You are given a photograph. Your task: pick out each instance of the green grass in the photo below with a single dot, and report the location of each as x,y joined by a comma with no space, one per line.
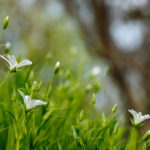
69,121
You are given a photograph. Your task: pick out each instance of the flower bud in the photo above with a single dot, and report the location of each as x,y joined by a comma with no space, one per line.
47,115
39,85
7,47
31,76
96,71
114,108
81,115
93,99
85,124
146,136
14,95
96,86
5,23
57,66
34,86
88,87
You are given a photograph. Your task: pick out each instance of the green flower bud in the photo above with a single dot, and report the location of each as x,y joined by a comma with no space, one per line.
39,85
31,77
34,86
5,23
93,99
81,116
146,136
85,125
7,47
88,87
57,66
14,95
96,86
47,115
74,132
114,108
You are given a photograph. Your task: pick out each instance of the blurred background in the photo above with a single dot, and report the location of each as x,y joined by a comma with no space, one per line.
111,38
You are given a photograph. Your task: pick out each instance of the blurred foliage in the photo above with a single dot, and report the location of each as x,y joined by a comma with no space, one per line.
70,119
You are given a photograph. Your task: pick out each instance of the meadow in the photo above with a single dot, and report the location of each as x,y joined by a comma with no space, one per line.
60,113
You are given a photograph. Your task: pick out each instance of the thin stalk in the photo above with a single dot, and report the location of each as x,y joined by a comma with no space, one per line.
31,95
133,138
96,111
49,91
1,34
17,144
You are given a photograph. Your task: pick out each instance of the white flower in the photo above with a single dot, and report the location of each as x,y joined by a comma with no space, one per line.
30,103
13,64
96,71
7,45
138,118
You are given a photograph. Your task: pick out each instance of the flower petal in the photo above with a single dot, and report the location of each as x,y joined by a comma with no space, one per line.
12,61
26,99
5,59
132,112
146,117
21,93
24,63
37,103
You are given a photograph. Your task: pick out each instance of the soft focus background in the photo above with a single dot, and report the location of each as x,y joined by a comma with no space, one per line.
111,36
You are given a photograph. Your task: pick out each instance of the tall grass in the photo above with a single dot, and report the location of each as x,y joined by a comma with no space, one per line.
69,120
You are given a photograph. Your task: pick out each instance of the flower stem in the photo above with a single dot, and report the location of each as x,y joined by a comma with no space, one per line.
17,144
1,34
133,137
96,111
49,91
